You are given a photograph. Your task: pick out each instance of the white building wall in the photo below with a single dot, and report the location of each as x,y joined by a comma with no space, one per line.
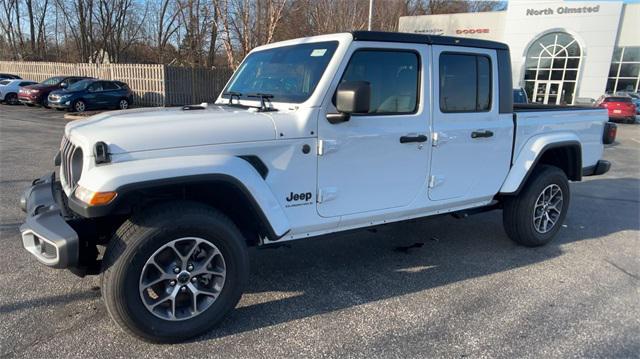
630,28
597,25
595,31
486,25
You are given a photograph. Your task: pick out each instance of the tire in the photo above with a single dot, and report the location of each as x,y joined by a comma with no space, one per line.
126,262
519,213
79,106
11,99
123,104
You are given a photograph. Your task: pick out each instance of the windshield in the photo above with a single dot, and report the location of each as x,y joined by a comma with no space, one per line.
80,85
289,73
52,80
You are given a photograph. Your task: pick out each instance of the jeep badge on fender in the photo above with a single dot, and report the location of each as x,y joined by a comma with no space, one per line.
299,197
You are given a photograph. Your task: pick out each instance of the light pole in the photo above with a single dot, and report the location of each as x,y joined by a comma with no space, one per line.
370,14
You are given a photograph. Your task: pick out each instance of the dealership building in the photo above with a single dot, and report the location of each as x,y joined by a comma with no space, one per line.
560,50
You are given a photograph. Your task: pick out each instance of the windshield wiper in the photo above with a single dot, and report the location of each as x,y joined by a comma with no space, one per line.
231,95
264,98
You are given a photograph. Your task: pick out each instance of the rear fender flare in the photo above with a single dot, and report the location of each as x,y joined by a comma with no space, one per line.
529,155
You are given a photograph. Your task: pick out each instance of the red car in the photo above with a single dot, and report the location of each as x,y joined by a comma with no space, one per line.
619,107
37,94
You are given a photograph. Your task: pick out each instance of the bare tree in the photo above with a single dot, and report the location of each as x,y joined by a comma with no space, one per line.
190,32
168,23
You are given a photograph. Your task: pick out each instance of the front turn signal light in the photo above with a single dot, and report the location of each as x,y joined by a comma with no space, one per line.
94,198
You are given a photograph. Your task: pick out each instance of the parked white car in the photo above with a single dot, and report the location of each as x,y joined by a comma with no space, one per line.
310,136
9,89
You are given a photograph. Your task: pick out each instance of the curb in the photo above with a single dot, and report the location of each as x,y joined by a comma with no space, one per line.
80,116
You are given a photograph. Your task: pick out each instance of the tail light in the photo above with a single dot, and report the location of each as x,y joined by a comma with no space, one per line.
610,132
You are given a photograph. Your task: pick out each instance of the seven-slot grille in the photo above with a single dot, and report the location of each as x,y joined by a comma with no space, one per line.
66,156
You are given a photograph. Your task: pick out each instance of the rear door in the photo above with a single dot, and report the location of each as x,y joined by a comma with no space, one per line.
472,147
363,165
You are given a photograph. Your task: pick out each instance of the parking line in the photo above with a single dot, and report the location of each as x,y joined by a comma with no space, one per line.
633,139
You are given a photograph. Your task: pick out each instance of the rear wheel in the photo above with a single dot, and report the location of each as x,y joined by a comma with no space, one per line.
535,215
174,271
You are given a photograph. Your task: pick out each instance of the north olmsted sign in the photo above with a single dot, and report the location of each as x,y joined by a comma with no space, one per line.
562,10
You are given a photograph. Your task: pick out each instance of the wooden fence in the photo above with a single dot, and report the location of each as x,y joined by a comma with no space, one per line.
152,85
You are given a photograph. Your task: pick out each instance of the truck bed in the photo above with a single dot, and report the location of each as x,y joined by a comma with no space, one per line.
587,123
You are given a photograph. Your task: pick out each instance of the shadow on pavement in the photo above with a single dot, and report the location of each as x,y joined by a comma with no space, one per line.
48,301
345,270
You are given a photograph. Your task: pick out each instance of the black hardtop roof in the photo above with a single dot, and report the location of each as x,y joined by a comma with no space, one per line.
426,39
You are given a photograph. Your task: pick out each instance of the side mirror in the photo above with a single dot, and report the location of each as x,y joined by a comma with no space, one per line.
64,85
352,97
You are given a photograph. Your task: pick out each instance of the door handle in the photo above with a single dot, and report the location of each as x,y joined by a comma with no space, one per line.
413,138
481,133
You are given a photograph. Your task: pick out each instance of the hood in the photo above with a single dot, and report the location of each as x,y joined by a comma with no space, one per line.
162,128
63,92
40,87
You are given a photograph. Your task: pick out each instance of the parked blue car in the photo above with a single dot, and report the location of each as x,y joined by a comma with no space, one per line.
92,94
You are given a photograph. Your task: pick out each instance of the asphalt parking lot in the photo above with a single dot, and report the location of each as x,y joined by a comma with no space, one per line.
467,292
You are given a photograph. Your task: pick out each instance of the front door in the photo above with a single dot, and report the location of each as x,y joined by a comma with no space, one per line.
472,141
363,165
548,92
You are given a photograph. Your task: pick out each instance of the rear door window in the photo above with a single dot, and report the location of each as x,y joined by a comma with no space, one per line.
465,83
108,86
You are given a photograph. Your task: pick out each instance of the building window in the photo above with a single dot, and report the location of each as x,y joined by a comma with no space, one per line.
624,73
551,69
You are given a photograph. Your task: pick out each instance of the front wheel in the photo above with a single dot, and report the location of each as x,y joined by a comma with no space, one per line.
535,215
11,99
174,271
123,104
79,106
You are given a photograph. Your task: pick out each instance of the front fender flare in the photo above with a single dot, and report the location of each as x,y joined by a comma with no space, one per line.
529,155
123,177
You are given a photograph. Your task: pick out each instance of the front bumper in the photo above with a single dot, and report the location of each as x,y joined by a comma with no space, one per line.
45,233
28,100
64,105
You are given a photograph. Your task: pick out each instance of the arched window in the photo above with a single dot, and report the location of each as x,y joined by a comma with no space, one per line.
551,68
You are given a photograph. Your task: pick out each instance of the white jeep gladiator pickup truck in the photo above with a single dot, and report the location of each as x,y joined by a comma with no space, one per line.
310,136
